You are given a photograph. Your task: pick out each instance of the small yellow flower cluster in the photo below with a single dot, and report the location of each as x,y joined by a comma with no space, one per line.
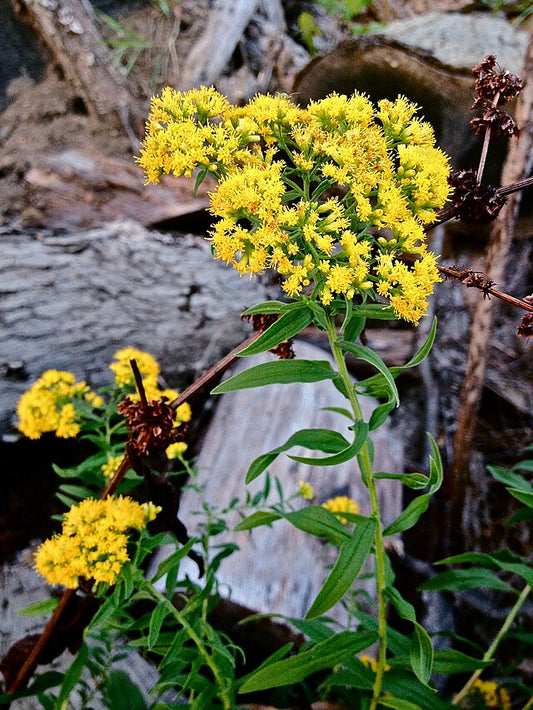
149,369
109,468
277,166
93,541
372,663
175,450
487,694
306,490
49,405
341,504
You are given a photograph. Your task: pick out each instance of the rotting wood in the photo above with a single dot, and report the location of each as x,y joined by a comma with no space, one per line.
69,30
515,169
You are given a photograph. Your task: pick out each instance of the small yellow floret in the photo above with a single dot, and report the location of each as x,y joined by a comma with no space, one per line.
306,490
341,504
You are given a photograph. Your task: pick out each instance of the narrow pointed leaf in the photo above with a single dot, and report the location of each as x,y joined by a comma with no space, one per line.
267,308
451,661
325,654
287,326
316,520
409,516
459,579
278,372
363,353
257,519
324,440
510,479
345,455
416,481
421,654
352,556
398,703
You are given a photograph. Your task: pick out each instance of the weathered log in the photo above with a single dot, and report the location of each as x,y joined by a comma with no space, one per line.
70,32
68,302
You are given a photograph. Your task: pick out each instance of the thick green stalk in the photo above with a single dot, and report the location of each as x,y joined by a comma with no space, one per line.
365,465
489,654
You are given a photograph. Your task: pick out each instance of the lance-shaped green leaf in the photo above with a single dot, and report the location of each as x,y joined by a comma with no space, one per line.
377,386
287,326
504,560
451,661
325,654
510,479
421,654
416,481
402,684
257,519
375,311
352,556
316,520
348,453
268,308
279,372
361,352
410,516
325,440
459,579
397,703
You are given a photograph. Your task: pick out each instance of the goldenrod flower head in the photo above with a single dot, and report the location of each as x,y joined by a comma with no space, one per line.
147,364
109,468
93,541
174,451
380,160
306,490
49,405
341,504
486,694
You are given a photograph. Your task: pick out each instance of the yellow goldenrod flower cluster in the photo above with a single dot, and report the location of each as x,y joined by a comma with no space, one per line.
93,541
50,405
175,450
331,196
109,468
487,694
341,504
306,490
149,370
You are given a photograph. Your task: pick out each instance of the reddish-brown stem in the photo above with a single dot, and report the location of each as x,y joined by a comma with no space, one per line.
32,660
489,290
139,382
212,374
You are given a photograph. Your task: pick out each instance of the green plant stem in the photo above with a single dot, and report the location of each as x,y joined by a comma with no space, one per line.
489,654
181,618
365,465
